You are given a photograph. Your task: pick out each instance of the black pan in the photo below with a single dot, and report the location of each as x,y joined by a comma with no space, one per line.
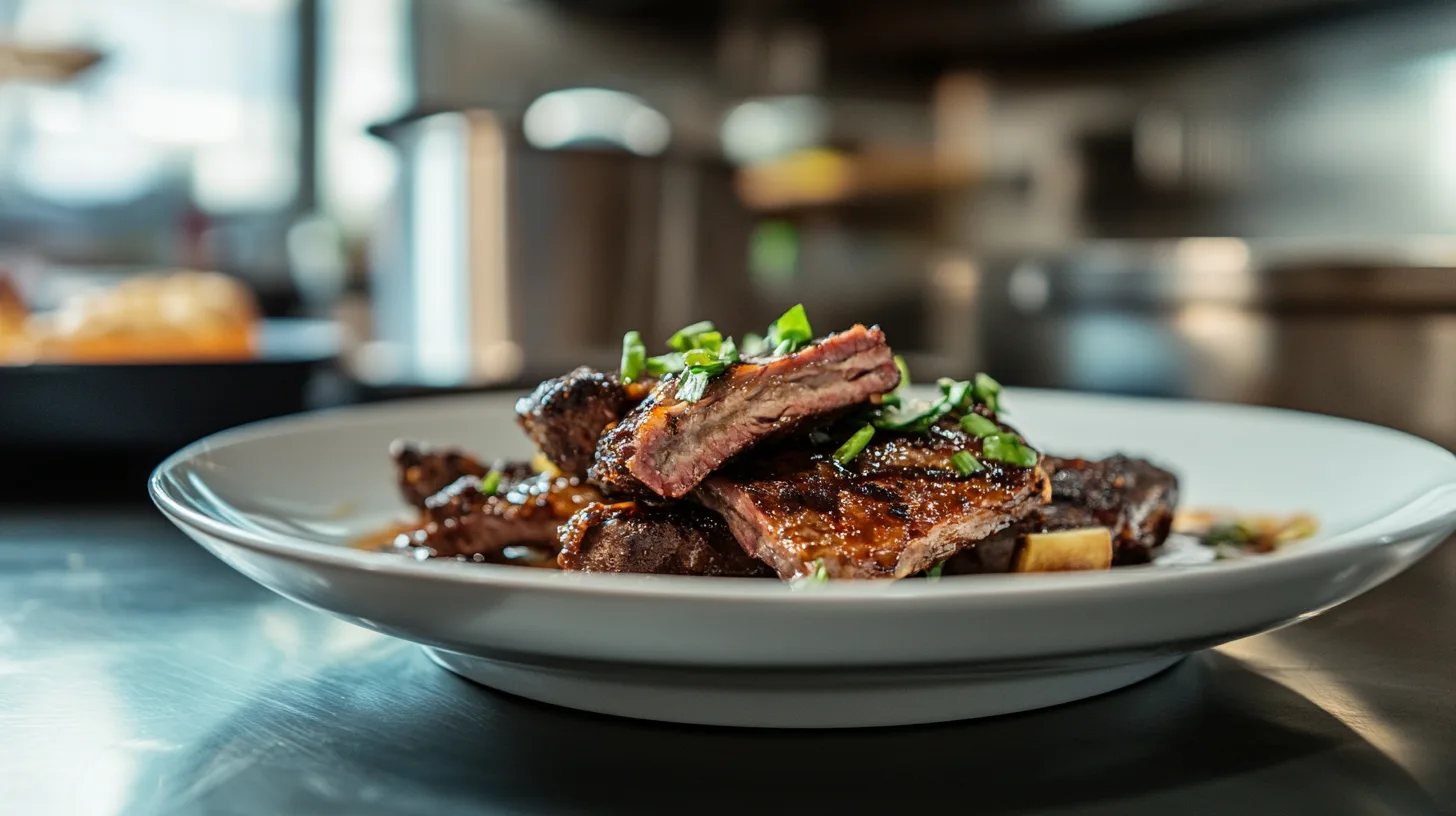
162,406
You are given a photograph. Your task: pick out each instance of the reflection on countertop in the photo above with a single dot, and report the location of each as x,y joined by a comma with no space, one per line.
180,687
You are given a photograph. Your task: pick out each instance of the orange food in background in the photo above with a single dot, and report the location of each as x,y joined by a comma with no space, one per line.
13,316
172,317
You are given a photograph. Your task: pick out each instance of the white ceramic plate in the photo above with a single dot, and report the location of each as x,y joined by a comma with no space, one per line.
281,500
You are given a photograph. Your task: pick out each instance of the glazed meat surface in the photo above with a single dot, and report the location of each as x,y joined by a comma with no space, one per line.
424,472
667,445
1134,499
664,539
566,416
461,521
1131,497
897,508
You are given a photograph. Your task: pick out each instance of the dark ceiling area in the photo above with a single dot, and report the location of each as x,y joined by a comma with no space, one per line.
915,38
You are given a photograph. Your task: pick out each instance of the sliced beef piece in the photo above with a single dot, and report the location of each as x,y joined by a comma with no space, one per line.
566,416
663,539
1134,499
667,446
425,472
1131,497
461,521
897,508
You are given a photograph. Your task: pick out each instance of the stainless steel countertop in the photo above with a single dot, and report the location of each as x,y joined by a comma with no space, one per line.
138,675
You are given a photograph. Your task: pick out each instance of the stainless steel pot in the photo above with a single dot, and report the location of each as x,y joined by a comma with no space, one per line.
499,261
1225,320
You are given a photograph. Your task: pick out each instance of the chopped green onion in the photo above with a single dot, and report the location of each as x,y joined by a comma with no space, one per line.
728,352
790,331
634,357
904,373
979,426
1008,448
904,417
687,337
956,392
490,485
933,574
852,446
820,573
665,364
754,345
987,392
1235,534
794,325
710,341
965,463
693,384
698,358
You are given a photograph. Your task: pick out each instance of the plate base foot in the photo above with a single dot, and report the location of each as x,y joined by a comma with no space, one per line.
846,698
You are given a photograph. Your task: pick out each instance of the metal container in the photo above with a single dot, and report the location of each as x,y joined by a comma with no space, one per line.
1225,320
501,262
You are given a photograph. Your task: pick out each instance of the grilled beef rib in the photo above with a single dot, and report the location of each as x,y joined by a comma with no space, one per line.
462,521
665,539
565,416
897,508
424,472
668,445
1132,498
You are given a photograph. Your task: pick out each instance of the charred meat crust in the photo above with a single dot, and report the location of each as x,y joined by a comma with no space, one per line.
461,521
897,508
1134,499
424,472
667,446
566,416
671,539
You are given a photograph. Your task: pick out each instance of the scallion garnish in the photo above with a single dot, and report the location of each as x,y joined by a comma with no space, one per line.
698,358
817,575
728,352
965,464
853,445
904,369
490,485
1008,448
904,417
687,337
666,364
933,574
820,574
710,341
987,392
754,345
789,332
978,426
634,357
956,393
694,383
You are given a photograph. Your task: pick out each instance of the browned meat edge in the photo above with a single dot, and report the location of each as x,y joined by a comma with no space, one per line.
424,472
462,522
667,445
1134,499
672,539
566,416
899,507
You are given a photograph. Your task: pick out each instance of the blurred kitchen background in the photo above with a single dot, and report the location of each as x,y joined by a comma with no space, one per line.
1241,200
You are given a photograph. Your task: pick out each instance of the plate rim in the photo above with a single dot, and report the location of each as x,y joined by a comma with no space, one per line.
299,549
